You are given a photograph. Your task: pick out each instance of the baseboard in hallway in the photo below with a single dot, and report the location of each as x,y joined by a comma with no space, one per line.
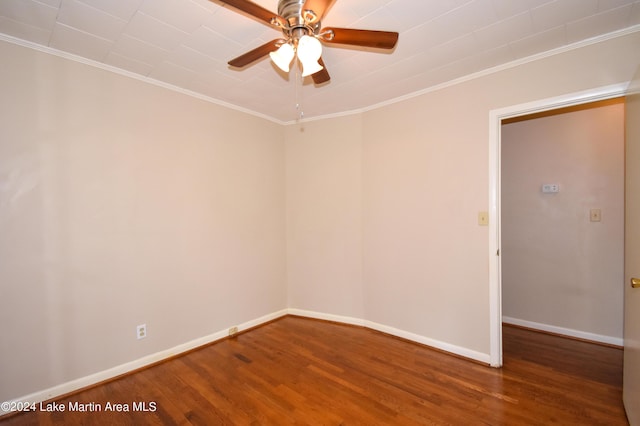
567,332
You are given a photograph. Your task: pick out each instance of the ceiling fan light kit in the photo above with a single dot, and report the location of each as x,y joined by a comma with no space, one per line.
283,56
309,52
303,35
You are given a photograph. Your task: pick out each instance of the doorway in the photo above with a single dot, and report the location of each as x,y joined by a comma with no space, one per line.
562,221
495,244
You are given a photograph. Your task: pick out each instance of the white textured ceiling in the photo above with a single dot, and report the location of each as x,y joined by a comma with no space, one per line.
187,43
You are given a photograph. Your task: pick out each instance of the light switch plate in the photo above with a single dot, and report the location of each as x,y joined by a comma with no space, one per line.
550,188
595,215
483,218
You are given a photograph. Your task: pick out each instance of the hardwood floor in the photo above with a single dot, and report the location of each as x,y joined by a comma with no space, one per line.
304,371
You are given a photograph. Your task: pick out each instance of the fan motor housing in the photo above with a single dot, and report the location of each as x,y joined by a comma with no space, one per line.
297,18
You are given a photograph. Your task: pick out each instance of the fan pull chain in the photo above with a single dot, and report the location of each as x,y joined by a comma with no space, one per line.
298,94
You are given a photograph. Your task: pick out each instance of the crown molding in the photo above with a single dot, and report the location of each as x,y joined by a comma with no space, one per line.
139,77
430,89
479,74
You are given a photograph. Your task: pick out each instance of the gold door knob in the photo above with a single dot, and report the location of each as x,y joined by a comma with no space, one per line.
635,282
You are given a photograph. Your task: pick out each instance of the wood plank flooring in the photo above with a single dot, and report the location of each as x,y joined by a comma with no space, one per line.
304,371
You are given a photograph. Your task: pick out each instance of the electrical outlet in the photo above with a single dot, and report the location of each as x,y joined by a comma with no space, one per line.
141,331
233,331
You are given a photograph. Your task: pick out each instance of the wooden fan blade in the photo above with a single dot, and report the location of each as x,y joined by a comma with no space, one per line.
321,76
257,53
254,10
319,7
366,38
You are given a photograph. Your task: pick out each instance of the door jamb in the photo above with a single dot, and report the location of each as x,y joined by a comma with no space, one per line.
495,122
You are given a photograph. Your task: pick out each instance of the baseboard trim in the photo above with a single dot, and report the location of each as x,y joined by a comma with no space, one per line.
147,361
443,346
583,335
129,367
437,344
326,317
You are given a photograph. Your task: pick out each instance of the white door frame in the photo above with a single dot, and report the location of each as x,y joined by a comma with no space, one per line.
495,122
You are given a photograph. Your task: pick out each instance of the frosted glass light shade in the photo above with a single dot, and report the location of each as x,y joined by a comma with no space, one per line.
283,56
309,52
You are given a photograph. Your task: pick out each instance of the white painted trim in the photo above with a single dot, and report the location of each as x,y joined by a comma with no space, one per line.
571,99
457,350
618,341
444,346
110,373
101,376
495,262
327,317
512,64
262,320
522,61
594,40
495,119
140,77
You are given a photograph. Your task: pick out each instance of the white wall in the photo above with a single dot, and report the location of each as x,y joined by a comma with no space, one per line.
123,203
560,269
425,177
324,216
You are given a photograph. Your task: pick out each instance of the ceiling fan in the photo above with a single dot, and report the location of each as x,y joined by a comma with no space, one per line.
302,34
